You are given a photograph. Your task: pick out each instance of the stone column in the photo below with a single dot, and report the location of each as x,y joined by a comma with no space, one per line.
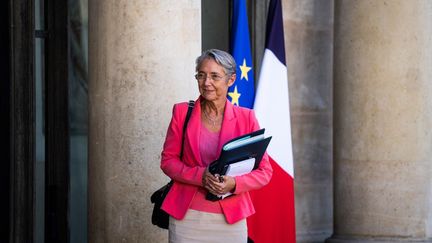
141,61
382,121
309,51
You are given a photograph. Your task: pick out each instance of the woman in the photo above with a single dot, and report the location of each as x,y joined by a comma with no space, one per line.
214,121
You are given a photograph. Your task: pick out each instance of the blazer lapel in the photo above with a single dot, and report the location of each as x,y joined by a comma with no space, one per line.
228,125
194,130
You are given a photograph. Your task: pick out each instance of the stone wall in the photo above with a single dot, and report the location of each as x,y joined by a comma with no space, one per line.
141,61
309,51
382,120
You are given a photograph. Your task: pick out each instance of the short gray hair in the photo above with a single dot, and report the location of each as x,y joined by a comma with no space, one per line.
220,57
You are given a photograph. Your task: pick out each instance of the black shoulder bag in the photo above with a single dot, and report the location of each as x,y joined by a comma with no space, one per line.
159,217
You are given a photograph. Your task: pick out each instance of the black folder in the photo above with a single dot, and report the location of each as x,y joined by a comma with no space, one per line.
254,149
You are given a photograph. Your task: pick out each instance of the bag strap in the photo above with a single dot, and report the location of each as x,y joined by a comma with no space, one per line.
188,114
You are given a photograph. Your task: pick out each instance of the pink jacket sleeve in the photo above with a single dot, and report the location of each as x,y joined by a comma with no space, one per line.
171,164
259,177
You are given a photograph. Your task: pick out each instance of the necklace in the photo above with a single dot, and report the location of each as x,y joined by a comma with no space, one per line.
212,120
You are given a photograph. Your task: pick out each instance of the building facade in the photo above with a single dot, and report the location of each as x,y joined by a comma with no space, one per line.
91,87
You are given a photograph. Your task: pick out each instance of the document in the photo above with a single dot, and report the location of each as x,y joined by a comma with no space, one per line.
242,141
238,169
239,155
241,167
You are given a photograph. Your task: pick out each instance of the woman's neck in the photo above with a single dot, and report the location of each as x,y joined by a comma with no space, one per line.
214,108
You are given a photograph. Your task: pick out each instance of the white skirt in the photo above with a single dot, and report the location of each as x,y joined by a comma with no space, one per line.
202,227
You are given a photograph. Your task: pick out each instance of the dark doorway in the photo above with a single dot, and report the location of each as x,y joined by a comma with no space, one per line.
45,195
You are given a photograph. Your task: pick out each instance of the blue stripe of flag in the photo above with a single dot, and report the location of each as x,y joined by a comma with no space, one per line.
275,32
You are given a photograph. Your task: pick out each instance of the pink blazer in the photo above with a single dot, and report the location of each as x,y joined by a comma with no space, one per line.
187,173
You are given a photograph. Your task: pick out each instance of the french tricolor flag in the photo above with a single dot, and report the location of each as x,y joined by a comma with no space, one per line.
274,220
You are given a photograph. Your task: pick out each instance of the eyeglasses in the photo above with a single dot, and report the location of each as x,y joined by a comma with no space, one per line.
203,77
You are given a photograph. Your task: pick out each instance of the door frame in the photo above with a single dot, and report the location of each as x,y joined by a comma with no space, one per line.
56,122
22,121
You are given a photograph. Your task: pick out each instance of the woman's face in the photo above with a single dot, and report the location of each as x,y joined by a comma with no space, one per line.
213,82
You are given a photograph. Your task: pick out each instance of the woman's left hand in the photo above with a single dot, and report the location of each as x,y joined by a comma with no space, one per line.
224,185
